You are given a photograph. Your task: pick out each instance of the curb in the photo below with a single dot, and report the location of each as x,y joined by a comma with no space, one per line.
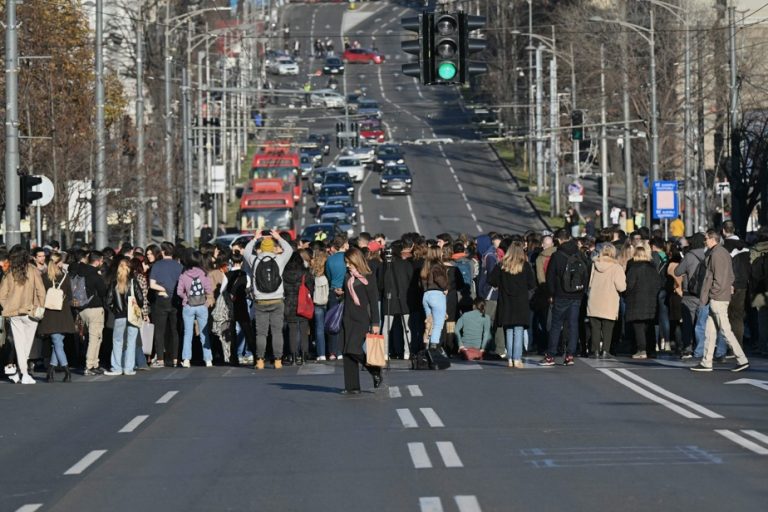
517,184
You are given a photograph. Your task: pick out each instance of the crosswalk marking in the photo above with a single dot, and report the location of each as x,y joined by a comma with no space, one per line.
448,453
414,390
431,416
672,396
467,503
407,418
757,435
430,504
419,456
166,397
743,441
34,506
394,392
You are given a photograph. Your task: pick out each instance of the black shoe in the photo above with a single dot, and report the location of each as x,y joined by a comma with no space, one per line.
288,360
701,368
67,374
90,372
99,370
299,358
377,380
51,371
740,367
350,392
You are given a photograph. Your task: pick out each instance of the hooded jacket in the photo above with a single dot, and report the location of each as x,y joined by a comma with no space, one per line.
741,264
185,283
605,284
488,261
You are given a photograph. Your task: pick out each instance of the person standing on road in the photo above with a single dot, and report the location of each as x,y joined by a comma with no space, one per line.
320,299
741,270
58,323
21,293
361,316
716,291
297,272
541,297
163,278
759,289
92,315
395,277
124,333
267,266
434,282
195,290
643,285
335,269
488,250
606,282
515,280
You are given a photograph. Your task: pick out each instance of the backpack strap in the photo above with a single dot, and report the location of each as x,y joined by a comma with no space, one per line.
58,286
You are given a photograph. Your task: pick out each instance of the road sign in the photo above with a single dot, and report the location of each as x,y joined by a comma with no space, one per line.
46,188
665,200
575,192
346,134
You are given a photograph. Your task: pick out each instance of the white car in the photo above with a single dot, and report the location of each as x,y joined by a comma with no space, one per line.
366,154
284,66
351,165
327,98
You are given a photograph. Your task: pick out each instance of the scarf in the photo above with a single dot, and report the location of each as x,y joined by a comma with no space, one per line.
354,274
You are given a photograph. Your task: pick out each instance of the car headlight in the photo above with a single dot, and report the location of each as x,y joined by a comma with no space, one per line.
383,182
400,161
380,162
408,180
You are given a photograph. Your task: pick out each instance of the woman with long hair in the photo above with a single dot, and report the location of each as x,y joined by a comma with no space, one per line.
21,293
606,282
140,268
320,299
58,323
514,278
361,316
455,283
195,291
434,282
296,271
122,286
643,285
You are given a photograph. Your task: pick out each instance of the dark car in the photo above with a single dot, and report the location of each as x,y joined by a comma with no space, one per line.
387,154
339,177
321,232
313,151
368,107
333,66
322,141
329,192
352,102
341,207
395,179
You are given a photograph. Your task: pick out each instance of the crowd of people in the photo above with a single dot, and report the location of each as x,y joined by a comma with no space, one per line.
276,302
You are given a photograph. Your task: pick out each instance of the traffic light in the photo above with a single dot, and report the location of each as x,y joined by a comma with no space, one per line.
206,201
339,139
445,55
422,25
355,139
577,125
470,45
27,195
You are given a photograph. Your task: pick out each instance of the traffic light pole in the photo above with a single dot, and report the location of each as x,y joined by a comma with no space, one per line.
538,133
99,192
141,210
12,214
603,140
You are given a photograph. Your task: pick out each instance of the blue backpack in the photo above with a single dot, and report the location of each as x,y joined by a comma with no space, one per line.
465,267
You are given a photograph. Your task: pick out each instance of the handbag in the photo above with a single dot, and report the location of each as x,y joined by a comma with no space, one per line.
333,318
54,296
306,306
147,333
135,316
374,350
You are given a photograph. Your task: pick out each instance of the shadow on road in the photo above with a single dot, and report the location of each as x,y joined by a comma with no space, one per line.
306,387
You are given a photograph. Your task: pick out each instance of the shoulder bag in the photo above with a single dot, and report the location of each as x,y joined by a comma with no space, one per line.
374,350
135,316
54,296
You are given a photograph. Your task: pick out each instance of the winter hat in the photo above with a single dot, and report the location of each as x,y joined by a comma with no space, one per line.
267,245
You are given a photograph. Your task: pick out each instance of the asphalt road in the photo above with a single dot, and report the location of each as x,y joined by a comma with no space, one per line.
595,436
459,187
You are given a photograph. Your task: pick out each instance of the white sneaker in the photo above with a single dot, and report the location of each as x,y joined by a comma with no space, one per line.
208,364
129,374
112,373
10,369
185,363
27,379
15,378
321,358
339,357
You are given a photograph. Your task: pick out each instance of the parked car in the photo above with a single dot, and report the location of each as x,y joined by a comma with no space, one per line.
368,107
336,177
284,66
385,154
333,66
352,165
362,56
395,179
336,191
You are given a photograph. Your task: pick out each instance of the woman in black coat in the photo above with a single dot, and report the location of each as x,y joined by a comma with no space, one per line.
643,285
514,278
361,316
296,269
58,323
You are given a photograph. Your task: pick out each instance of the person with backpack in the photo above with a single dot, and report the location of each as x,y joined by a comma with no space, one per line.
567,279
268,292
716,292
58,322
89,293
643,285
163,280
606,282
463,264
320,299
295,275
195,290
515,280
123,287
434,282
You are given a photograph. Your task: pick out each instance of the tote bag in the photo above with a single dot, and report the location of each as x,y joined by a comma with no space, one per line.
374,350
306,306
134,310
333,318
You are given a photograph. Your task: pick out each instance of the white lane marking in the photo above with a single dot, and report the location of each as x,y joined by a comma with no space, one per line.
757,435
474,217
415,390
430,504
419,456
362,219
676,398
647,394
394,392
447,162
478,228
413,215
407,419
743,441
467,503
86,461
133,424
461,188
448,453
432,418
469,207
166,397
34,506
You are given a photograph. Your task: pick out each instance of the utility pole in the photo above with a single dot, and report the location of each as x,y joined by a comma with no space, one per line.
654,123
554,154
691,200
170,204
738,203
531,114
539,136
200,132
12,216
141,215
576,143
187,149
100,193
629,178
603,140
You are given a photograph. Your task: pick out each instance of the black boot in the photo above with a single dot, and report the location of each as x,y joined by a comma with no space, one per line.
377,378
51,371
288,360
299,358
67,374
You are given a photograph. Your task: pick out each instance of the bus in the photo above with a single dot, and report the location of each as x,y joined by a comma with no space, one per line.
266,211
289,175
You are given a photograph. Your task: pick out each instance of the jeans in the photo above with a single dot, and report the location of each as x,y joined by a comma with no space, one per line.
124,347
320,330
243,347
190,314
269,317
719,324
515,342
435,305
702,314
564,311
663,316
58,356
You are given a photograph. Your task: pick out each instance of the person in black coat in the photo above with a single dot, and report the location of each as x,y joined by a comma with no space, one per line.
395,276
643,285
237,289
514,278
58,323
296,270
361,316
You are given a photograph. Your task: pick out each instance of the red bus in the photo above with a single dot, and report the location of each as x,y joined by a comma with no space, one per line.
290,175
264,211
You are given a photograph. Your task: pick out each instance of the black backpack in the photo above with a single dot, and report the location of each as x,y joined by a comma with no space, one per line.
574,278
696,280
266,277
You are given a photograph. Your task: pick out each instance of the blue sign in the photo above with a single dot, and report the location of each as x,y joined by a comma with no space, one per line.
665,200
